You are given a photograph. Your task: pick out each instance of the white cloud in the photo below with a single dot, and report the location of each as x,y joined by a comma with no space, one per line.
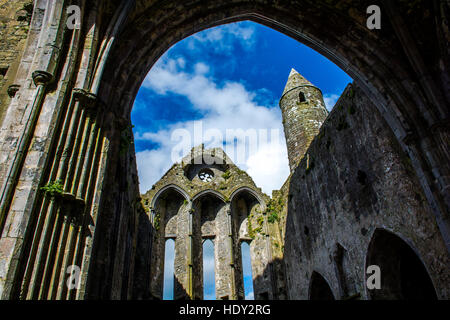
269,166
229,106
250,296
222,39
330,100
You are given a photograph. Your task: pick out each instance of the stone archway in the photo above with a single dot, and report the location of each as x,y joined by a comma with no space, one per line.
169,207
245,204
380,62
79,86
403,275
319,288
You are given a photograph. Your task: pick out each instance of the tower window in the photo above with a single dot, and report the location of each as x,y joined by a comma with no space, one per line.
301,97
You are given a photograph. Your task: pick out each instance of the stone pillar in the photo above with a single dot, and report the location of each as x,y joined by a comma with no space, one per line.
12,237
223,256
233,295
183,287
41,80
63,216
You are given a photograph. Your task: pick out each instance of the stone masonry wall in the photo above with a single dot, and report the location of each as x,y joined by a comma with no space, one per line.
15,17
356,179
229,209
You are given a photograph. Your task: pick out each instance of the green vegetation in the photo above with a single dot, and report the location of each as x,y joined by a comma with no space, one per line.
53,188
223,186
253,232
274,208
226,175
157,221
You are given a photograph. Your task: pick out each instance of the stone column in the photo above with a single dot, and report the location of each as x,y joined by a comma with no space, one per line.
233,295
183,254
13,236
41,80
223,252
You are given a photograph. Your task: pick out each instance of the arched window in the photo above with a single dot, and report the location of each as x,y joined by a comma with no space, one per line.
169,261
209,281
247,271
301,97
403,275
319,288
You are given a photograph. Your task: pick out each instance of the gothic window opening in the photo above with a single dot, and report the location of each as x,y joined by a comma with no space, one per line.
247,271
169,277
209,281
403,275
319,288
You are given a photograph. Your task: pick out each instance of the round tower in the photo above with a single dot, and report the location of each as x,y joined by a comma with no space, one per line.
303,111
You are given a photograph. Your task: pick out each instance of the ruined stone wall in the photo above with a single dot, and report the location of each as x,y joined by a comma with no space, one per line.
228,209
404,67
15,17
276,214
357,180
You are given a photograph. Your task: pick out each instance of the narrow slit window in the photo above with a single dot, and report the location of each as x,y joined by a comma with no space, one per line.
169,262
209,281
247,270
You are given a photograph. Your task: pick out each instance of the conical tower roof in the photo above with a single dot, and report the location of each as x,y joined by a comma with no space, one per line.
295,80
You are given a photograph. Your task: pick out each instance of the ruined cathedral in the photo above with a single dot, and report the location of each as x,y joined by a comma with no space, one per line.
349,182
368,187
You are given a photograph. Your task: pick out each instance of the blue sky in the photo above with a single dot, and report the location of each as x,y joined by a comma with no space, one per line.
208,271
227,77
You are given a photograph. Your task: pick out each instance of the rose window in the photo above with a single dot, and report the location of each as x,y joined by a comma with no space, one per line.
206,175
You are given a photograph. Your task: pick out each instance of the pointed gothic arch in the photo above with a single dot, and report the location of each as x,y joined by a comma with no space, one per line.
173,187
113,51
403,274
319,289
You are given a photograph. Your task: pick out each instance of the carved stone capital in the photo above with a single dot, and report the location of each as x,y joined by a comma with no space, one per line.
12,90
42,77
78,93
71,198
90,100
87,99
